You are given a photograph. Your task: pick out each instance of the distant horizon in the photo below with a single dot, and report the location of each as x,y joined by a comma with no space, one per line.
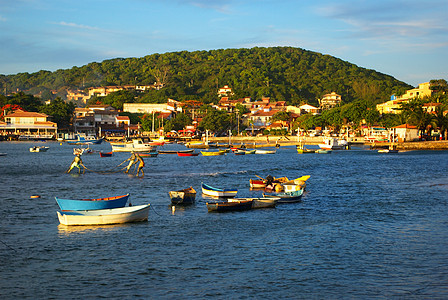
406,41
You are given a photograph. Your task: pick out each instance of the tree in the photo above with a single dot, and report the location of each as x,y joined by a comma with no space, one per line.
216,121
60,112
179,122
441,120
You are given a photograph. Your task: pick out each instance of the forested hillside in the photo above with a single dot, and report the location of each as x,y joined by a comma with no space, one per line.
282,73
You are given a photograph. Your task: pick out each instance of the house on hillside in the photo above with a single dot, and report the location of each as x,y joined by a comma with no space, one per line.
405,133
29,125
308,109
394,104
225,91
329,101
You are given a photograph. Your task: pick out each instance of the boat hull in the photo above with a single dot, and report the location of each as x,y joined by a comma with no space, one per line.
91,204
185,196
215,192
229,206
287,197
105,216
259,202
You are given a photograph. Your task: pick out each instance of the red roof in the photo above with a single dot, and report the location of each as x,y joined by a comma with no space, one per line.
24,114
406,126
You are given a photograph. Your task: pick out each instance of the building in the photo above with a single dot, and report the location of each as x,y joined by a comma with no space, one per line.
329,101
29,125
394,104
94,119
225,91
405,133
308,109
149,108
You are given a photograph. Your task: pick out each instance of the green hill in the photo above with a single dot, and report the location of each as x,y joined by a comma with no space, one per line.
282,73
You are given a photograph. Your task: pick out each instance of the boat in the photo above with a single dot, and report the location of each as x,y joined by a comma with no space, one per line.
261,183
90,204
217,192
180,153
148,154
185,196
229,206
333,144
136,145
269,202
39,149
287,197
323,151
392,149
175,151
212,153
106,154
158,142
3,154
105,216
250,151
296,184
239,152
261,151
82,139
305,150
81,151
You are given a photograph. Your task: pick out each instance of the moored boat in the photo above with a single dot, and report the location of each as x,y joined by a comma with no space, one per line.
90,204
229,206
106,154
136,145
105,216
269,202
181,153
217,192
323,151
261,151
212,153
185,196
39,149
148,154
287,197
84,140
175,151
333,144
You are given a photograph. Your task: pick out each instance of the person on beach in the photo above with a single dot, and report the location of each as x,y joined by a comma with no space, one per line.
77,162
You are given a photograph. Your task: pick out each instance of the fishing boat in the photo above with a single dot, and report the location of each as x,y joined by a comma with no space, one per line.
392,149
175,151
185,196
333,144
250,151
287,197
81,151
105,216
212,153
148,154
239,152
106,154
229,206
136,145
217,192
323,151
261,183
39,149
3,154
269,202
81,139
90,204
180,153
261,151
296,184
257,183
304,150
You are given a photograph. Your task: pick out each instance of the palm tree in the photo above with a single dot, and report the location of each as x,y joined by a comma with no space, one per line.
440,120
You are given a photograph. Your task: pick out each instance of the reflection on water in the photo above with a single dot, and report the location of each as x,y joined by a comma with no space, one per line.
65,230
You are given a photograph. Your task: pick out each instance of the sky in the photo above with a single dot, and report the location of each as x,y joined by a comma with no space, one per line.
405,39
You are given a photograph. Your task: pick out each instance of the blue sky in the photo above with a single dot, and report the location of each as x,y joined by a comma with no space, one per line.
405,39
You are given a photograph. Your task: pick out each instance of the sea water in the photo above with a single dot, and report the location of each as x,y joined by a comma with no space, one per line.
370,225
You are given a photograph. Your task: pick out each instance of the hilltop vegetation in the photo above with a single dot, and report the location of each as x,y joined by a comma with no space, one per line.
286,74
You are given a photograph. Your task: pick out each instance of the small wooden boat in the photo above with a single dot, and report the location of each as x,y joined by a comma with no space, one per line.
90,204
3,154
148,154
261,151
136,145
257,183
323,151
239,152
175,151
106,154
185,196
187,153
229,206
105,216
269,202
82,139
217,192
212,153
392,149
287,197
39,149
304,150
250,151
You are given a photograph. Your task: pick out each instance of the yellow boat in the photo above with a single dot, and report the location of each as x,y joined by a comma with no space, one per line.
212,153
